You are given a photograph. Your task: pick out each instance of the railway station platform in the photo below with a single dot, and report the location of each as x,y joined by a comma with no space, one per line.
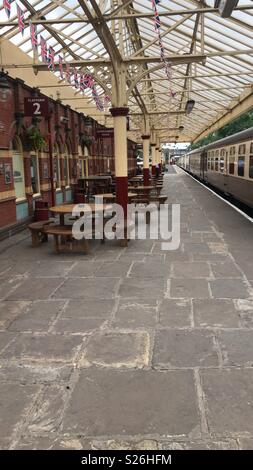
136,347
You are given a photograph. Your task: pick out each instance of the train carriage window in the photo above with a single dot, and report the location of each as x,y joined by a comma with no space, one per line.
231,168
242,149
241,162
216,164
251,165
222,164
232,151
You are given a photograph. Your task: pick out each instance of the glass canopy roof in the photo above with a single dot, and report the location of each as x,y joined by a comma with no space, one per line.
219,54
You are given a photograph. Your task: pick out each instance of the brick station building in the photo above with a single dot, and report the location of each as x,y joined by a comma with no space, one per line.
78,151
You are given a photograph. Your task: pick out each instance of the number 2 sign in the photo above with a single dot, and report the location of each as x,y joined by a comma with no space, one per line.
36,107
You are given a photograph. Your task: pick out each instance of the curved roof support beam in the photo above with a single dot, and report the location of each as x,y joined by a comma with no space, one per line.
175,60
105,36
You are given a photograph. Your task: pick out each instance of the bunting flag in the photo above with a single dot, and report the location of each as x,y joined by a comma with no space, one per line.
34,36
7,7
68,73
61,66
97,99
81,83
43,49
107,100
21,19
88,81
167,65
50,58
157,21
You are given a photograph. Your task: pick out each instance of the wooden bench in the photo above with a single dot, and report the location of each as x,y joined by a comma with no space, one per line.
37,230
64,240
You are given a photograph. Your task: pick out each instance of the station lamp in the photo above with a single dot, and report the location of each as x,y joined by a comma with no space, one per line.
225,7
5,89
189,106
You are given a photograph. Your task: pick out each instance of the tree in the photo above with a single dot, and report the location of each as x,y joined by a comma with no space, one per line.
239,124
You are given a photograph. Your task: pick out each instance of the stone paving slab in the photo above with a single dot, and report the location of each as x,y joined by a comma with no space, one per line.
38,316
14,404
88,289
184,348
229,398
218,313
117,350
135,314
132,402
175,313
35,289
43,348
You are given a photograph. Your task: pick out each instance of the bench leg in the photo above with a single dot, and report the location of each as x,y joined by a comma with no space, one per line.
35,239
56,243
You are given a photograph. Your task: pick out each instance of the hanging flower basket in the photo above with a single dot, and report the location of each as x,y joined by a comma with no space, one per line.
34,138
85,140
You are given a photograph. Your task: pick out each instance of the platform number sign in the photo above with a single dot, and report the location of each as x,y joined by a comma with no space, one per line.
36,107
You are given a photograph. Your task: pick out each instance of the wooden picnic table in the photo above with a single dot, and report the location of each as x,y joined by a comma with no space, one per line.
63,209
144,189
112,197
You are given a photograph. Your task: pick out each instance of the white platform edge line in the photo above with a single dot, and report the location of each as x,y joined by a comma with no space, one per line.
221,198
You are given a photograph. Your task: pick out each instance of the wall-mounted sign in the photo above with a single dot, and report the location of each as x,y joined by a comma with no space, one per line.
105,133
36,107
7,173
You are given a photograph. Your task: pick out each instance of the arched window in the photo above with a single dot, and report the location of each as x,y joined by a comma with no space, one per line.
18,168
57,172
83,160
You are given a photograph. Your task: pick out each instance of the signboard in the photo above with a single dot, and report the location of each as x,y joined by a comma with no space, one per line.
36,107
105,133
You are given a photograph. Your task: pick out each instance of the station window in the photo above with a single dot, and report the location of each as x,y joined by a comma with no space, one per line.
216,164
242,149
18,168
251,148
231,168
212,164
34,174
241,163
217,153
232,151
222,152
209,164
251,166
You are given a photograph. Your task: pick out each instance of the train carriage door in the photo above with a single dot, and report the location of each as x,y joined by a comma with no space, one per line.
225,174
203,165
